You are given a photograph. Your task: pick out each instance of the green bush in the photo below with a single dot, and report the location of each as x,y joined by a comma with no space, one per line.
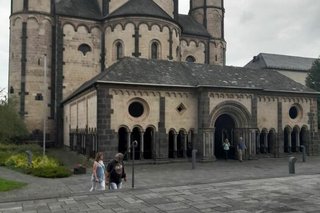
41,166
18,161
51,172
4,157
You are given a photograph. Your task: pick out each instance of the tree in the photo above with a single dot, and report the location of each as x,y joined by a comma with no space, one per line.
12,127
313,82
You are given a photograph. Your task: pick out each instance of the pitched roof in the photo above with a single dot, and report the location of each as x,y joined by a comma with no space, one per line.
79,8
136,71
191,26
140,8
283,62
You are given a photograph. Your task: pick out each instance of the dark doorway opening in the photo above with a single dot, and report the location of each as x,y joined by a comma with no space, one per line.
148,142
224,128
136,136
171,144
123,142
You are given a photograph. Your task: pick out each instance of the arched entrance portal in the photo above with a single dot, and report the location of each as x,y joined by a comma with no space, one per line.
224,127
148,143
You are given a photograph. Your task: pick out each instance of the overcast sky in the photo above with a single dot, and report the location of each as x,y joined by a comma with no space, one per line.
290,27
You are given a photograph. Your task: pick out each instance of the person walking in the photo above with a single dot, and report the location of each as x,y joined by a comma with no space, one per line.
116,172
98,173
241,147
226,147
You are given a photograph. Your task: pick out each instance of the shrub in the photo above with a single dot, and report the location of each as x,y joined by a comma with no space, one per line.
18,161
44,162
4,156
51,172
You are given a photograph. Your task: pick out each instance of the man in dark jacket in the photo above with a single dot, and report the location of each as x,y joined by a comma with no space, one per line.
115,172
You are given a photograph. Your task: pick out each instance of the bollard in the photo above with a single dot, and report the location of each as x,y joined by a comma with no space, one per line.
292,161
194,158
303,150
29,155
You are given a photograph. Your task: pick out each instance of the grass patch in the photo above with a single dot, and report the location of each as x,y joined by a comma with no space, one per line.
7,185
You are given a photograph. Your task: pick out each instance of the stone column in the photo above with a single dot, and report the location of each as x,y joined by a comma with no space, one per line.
175,146
128,145
258,143
297,141
289,141
185,136
141,145
208,144
265,142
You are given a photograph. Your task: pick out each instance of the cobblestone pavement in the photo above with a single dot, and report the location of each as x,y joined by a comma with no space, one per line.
262,185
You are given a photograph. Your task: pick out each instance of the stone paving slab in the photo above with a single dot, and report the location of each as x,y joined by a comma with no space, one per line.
302,194
157,176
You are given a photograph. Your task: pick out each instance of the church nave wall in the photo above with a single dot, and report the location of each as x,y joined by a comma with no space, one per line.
196,50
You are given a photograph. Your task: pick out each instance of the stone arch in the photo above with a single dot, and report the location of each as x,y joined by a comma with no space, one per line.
136,135
16,19
171,143
118,50
149,142
155,50
272,142
181,143
304,137
235,110
123,140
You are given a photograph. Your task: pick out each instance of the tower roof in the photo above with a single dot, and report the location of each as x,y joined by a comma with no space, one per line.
140,8
191,26
79,8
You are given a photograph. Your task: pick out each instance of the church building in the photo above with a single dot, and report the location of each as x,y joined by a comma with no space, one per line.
105,73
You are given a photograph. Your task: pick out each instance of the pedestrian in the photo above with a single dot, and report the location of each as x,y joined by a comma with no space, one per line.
98,173
116,172
226,147
241,147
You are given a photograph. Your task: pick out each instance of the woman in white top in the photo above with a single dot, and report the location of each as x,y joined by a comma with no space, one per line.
226,147
98,173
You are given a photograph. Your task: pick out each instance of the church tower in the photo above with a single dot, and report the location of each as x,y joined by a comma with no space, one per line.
210,13
31,54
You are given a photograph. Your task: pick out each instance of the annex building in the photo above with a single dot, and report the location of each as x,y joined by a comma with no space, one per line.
125,70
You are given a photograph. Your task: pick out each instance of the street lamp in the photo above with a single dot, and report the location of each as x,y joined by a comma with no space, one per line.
44,102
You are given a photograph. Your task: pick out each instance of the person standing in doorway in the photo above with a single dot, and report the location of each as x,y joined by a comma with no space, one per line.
98,173
241,147
115,172
226,147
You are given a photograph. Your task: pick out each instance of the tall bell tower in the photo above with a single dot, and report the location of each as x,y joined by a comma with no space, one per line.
31,54
210,13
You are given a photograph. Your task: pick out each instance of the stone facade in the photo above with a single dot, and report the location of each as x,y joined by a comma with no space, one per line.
79,46
182,119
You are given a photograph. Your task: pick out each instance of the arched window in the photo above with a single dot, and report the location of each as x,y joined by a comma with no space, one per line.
154,50
119,50
84,48
190,59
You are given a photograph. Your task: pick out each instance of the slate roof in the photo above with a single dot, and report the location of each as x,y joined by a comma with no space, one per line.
282,62
140,8
135,71
79,8
191,26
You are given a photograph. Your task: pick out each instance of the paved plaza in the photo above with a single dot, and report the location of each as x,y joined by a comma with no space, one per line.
263,185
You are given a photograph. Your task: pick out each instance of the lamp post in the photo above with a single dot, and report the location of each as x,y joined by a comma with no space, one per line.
134,145
44,103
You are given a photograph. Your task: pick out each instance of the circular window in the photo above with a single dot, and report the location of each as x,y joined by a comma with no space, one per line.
136,109
293,112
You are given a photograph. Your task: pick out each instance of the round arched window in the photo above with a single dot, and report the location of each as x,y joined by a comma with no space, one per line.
293,112
136,109
190,59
